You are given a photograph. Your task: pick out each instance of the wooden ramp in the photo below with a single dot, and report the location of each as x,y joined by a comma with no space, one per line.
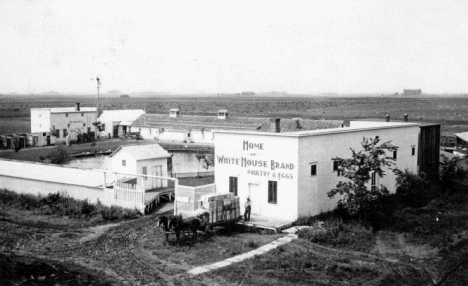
153,197
266,223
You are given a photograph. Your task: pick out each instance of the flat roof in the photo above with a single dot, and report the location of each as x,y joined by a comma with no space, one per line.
195,122
298,134
397,120
66,109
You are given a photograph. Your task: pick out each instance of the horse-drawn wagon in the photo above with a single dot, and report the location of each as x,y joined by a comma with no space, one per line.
213,210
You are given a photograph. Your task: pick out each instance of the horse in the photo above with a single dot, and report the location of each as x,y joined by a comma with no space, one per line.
178,225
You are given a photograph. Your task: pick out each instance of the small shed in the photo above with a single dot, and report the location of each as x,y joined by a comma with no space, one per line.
175,112
149,159
222,114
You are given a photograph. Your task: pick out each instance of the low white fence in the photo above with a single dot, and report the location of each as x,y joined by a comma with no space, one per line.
130,196
82,184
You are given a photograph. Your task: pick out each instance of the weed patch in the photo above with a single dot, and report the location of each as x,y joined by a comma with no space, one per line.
62,205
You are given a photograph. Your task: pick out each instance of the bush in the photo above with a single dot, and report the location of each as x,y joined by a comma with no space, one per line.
413,190
58,155
351,235
62,205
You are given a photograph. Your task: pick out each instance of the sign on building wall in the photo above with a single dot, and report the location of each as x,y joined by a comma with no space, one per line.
253,159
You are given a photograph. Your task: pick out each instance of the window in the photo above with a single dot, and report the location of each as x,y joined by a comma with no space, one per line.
124,163
313,169
65,133
188,134
43,134
40,125
150,131
82,114
336,167
233,185
272,192
84,124
66,114
413,150
395,154
68,125
145,172
103,127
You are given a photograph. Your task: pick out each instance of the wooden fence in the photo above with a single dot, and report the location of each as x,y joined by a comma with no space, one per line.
129,196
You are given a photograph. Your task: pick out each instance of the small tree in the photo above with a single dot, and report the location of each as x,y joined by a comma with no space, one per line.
357,198
58,155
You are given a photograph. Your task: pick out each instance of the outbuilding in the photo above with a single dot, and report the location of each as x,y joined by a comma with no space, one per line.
116,123
148,159
288,174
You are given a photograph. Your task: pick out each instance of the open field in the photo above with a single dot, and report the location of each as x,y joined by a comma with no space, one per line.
451,112
38,250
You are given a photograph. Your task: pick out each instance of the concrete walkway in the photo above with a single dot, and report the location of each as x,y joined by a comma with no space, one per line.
261,250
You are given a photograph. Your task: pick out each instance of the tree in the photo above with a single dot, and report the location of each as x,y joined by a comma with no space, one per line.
206,159
58,155
357,198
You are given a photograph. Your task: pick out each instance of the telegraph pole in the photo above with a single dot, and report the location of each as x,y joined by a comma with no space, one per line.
97,105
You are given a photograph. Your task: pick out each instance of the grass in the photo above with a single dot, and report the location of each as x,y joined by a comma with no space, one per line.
194,182
62,205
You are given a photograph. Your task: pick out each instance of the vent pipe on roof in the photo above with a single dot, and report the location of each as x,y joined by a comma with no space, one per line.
77,106
275,125
405,117
387,118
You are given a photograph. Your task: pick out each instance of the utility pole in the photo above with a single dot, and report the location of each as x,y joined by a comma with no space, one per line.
97,105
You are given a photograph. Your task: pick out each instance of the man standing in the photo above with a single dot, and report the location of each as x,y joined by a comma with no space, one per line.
248,206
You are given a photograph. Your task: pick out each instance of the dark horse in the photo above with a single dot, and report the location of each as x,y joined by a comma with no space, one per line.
178,225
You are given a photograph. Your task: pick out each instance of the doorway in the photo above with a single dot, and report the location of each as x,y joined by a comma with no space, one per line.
156,171
255,198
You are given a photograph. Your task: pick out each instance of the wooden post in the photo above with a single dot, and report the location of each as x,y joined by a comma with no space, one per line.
104,183
176,185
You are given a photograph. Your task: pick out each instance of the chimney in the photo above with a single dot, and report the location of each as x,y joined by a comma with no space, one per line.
77,106
387,118
275,124
405,117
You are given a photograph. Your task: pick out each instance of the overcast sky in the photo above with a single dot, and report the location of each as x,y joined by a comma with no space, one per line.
234,46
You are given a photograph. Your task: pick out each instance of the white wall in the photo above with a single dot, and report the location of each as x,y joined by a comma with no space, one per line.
150,182
321,149
76,121
278,149
42,179
130,163
40,120
301,193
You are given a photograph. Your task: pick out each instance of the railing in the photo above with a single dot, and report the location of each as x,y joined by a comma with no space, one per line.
129,195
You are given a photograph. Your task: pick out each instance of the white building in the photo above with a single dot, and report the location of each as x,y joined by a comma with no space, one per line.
67,120
150,159
117,123
288,174
176,127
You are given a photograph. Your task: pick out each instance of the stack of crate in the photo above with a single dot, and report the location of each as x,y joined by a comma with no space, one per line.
221,207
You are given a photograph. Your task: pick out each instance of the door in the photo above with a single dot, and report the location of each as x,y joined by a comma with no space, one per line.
116,131
156,171
48,140
255,198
